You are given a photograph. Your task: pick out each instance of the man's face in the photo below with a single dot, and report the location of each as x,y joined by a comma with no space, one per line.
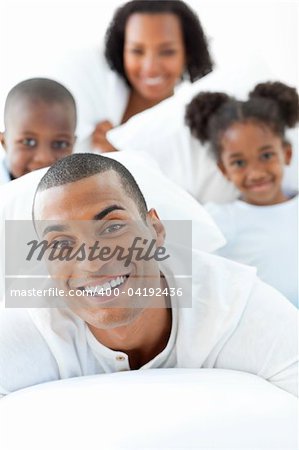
97,209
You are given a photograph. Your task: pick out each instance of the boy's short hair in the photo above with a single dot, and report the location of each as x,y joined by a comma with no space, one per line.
198,58
39,89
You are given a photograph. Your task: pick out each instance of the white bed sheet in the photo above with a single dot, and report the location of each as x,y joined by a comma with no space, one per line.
153,409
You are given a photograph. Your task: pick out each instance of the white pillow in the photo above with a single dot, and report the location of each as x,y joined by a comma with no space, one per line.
154,409
170,201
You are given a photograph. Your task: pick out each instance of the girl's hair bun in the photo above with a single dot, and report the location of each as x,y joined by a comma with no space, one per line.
285,97
200,110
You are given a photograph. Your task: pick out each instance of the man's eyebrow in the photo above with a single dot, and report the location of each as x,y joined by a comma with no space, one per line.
56,227
106,211
98,216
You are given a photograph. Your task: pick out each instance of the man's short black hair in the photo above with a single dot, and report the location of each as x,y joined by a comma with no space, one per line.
198,58
39,89
83,165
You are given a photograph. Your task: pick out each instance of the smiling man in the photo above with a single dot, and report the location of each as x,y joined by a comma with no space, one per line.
111,210
235,322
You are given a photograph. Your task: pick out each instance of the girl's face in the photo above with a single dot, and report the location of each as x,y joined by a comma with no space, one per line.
253,159
154,54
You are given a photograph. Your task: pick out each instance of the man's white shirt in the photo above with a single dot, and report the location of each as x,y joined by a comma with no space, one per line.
236,322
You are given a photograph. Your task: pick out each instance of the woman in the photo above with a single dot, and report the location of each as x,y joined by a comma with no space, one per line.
150,47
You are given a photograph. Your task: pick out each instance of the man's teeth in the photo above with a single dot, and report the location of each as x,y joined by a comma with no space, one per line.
108,286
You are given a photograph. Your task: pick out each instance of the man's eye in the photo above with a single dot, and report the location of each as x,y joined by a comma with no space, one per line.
267,155
113,228
60,145
238,163
29,142
65,243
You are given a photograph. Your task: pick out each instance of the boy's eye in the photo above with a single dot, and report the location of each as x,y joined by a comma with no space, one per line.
60,145
29,142
238,163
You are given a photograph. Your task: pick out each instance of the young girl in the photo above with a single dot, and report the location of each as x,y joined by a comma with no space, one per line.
248,140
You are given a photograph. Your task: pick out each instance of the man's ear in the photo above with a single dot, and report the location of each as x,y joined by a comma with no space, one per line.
152,219
288,151
2,139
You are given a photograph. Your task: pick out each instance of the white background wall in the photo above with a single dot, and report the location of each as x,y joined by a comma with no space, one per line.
261,35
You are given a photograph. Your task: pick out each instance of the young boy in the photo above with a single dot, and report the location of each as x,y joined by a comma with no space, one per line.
40,122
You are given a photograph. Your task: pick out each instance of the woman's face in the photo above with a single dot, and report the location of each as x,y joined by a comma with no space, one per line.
154,54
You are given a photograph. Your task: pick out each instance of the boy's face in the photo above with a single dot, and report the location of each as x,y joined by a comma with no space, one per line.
93,210
37,135
253,159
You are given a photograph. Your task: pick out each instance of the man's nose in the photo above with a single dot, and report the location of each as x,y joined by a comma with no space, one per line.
90,258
